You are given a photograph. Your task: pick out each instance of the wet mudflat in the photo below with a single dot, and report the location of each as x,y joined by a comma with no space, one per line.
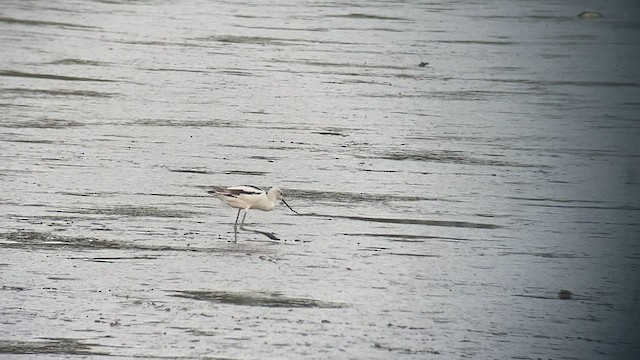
483,205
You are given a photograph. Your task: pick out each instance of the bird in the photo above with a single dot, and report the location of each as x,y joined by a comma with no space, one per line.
245,197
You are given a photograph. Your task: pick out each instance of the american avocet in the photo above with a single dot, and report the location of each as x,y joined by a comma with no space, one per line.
247,197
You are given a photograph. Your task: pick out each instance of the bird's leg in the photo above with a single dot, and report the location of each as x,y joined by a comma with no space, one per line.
267,234
243,217
235,225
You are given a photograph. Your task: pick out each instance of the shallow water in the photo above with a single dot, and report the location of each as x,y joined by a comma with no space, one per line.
444,207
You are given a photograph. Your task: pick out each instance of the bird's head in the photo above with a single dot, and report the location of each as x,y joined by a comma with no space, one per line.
277,194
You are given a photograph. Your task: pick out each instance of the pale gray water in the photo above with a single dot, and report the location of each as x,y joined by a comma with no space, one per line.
445,206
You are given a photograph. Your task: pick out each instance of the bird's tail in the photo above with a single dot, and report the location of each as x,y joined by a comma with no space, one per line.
217,190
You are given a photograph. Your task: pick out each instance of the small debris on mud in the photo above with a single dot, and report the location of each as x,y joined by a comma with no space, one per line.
565,295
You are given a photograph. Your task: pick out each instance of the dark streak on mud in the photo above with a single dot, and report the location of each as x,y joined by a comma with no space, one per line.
59,346
459,224
265,299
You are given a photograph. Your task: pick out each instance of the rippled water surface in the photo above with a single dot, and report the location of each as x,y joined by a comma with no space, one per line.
466,174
